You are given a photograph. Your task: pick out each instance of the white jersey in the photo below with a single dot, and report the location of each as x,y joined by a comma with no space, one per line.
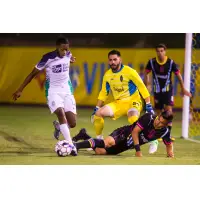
57,73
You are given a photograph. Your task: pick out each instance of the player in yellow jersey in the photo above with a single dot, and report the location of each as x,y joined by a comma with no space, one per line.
126,87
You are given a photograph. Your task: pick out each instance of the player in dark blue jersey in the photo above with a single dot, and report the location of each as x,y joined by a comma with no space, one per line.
162,68
148,128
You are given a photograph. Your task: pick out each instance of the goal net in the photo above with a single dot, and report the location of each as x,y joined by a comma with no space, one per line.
194,115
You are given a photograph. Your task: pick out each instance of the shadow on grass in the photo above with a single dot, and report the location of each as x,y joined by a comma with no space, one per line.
11,138
25,148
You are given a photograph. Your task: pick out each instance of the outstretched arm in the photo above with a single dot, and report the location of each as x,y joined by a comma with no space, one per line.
147,81
27,80
169,150
135,136
180,79
184,91
169,145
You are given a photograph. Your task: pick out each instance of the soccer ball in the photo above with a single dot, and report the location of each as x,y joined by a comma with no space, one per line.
64,148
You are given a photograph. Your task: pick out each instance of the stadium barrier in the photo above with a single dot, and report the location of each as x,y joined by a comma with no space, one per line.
86,74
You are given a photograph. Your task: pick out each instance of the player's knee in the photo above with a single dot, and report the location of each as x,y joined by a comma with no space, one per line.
100,151
71,119
109,141
133,119
99,113
60,115
72,124
105,111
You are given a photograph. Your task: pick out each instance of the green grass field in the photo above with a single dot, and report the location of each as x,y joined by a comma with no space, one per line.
26,138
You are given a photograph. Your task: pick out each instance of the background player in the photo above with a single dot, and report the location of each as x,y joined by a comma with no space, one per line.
147,128
162,68
125,85
58,86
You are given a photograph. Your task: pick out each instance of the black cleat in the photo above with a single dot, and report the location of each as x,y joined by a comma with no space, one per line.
57,129
82,135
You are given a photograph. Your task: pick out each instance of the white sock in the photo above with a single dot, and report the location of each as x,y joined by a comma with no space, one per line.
66,133
100,136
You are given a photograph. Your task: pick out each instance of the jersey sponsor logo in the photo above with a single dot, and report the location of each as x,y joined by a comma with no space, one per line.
162,76
118,89
57,69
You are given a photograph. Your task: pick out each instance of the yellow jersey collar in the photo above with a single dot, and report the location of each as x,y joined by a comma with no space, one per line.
162,63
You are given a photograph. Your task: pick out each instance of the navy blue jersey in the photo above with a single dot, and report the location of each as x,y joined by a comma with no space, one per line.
162,73
149,133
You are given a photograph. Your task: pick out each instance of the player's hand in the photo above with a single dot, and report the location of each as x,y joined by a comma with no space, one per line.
16,95
170,155
92,117
73,59
138,154
149,108
186,93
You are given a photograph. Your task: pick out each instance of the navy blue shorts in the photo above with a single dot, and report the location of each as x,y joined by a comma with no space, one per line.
163,98
120,146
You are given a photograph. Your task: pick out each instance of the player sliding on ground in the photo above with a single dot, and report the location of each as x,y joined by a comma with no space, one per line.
162,68
126,87
58,86
146,129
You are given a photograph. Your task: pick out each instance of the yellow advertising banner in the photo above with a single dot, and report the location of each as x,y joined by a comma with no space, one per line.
86,74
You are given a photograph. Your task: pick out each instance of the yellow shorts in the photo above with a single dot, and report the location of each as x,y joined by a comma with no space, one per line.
122,107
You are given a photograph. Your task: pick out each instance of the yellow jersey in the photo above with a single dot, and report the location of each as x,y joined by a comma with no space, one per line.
124,84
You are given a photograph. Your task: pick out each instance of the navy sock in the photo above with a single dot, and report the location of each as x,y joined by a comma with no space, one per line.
91,143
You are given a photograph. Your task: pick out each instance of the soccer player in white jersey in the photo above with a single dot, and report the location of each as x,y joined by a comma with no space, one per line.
58,87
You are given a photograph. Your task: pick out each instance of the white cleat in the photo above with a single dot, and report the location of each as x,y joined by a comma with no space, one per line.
153,147
89,149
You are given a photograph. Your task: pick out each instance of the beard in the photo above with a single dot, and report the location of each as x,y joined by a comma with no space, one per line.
114,67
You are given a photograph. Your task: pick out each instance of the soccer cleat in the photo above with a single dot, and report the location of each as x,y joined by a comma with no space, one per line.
172,138
153,146
90,149
82,135
74,151
57,129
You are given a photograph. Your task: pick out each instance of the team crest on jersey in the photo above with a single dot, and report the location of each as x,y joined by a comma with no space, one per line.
161,68
53,103
121,78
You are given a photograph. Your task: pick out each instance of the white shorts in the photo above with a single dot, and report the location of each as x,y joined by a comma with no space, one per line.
61,100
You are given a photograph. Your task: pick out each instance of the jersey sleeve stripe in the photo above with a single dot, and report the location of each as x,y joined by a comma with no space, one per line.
140,125
177,72
147,70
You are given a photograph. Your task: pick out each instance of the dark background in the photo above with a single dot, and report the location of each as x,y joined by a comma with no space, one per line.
114,40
